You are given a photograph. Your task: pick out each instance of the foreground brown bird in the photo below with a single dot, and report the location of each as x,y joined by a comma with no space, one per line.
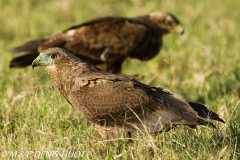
116,100
106,42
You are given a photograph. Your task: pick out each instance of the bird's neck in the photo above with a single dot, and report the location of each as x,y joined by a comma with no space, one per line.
69,78
62,77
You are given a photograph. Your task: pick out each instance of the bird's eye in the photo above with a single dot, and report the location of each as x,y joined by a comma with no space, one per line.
53,56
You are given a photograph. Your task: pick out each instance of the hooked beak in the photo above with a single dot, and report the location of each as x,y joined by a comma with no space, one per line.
36,62
41,60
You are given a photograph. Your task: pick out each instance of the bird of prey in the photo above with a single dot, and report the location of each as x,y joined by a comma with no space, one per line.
115,100
106,42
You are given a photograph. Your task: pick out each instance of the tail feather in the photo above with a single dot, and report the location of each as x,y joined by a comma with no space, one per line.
24,60
28,46
203,112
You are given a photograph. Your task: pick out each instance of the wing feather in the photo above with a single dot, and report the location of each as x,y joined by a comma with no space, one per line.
126,102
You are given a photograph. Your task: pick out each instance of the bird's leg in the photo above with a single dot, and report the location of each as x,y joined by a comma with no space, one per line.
113,133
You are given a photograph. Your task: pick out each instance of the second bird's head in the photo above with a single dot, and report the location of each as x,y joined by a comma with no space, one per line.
167,22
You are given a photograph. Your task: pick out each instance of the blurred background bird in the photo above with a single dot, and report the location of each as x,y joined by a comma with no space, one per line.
107,41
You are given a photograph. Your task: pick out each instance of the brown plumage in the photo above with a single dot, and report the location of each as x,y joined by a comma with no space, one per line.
116,100
107,40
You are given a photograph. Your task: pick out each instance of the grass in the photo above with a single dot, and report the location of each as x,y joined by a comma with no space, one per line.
203,65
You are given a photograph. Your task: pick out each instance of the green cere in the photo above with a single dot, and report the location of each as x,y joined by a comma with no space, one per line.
43,60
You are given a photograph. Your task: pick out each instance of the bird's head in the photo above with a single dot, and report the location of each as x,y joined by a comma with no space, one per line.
46,58
167,22
53,57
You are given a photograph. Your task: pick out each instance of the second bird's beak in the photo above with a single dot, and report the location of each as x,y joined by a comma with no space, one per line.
178,29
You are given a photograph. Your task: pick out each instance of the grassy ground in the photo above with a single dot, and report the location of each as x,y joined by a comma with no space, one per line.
203,65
